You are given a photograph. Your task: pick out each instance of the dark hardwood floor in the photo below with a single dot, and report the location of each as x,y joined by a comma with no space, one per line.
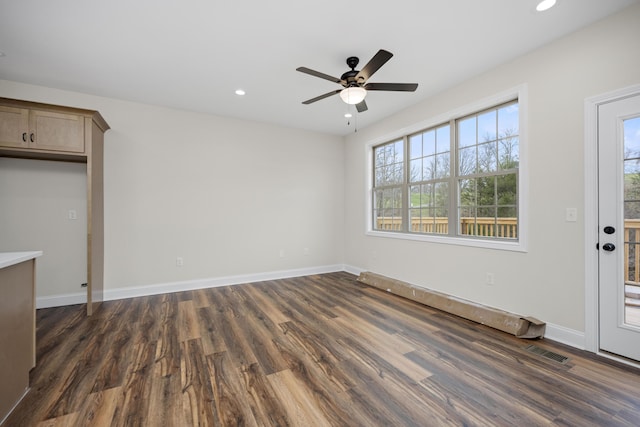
313,351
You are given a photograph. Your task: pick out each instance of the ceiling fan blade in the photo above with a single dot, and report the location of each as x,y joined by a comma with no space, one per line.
362,106
318,98
318,74
396,87
378,60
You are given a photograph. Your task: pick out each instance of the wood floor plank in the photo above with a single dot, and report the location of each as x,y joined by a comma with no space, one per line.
197,393
269,306
100,407
377,395
322,349
137,387
201,298
164,393
168,346
627,417
62,421
261,397
370,333
485,374
296,400
210,332
232,404
299,293
188,326
260,332
112,371
320,385
316,350
261,344
231,332
79,380
403,317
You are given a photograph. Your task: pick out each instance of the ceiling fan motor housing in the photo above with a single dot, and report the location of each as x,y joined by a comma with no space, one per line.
349,77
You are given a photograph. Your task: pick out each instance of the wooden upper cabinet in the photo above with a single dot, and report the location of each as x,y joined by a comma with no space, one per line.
56,131
14,127
42,128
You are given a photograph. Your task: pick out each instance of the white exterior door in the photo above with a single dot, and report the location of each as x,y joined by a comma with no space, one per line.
619,226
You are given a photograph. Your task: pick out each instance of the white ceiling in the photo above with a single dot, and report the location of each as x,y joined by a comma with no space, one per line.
193,54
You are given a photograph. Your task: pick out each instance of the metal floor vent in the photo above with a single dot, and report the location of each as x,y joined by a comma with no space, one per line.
546,353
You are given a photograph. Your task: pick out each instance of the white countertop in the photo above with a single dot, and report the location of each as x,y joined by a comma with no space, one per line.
8,259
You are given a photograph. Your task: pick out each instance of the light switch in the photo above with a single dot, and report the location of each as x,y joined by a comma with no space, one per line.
571,215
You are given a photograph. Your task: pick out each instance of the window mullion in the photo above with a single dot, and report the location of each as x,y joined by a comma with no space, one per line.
406,214
453,180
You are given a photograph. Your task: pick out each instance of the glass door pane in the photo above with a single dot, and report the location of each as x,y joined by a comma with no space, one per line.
632,221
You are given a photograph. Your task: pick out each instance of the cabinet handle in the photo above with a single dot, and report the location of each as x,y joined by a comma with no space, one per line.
24,137
32,137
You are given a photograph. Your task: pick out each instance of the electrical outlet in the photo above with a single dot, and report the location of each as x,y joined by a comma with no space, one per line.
305,251
282,253
179,262
491,279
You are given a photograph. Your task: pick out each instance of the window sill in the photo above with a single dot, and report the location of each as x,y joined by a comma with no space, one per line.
514,246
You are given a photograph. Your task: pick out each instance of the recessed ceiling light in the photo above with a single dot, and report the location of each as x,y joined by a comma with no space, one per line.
545,5
348,115
240,92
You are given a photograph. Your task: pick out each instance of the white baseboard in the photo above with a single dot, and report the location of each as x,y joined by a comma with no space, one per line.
565,336
353,270
61,299
163,288
553,332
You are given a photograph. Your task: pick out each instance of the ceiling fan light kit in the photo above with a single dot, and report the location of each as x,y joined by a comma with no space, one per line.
353,95
355,82
545,5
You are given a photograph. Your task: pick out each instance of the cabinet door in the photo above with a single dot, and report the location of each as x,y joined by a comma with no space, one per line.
56,131
14,127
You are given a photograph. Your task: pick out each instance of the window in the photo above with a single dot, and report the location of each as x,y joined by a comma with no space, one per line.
459,178
389,178
429,172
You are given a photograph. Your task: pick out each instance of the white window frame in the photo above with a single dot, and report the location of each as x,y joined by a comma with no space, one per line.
519,93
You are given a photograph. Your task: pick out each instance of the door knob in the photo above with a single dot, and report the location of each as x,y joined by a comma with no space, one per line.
609,229
608,247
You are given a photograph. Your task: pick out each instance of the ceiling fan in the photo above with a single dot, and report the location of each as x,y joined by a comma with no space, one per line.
355,84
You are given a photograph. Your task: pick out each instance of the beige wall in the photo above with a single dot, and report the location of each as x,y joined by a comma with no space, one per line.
35,199
229,195
225,195
548,280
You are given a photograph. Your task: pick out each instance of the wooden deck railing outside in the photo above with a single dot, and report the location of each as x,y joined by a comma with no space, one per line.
508,228
632,251
487,227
